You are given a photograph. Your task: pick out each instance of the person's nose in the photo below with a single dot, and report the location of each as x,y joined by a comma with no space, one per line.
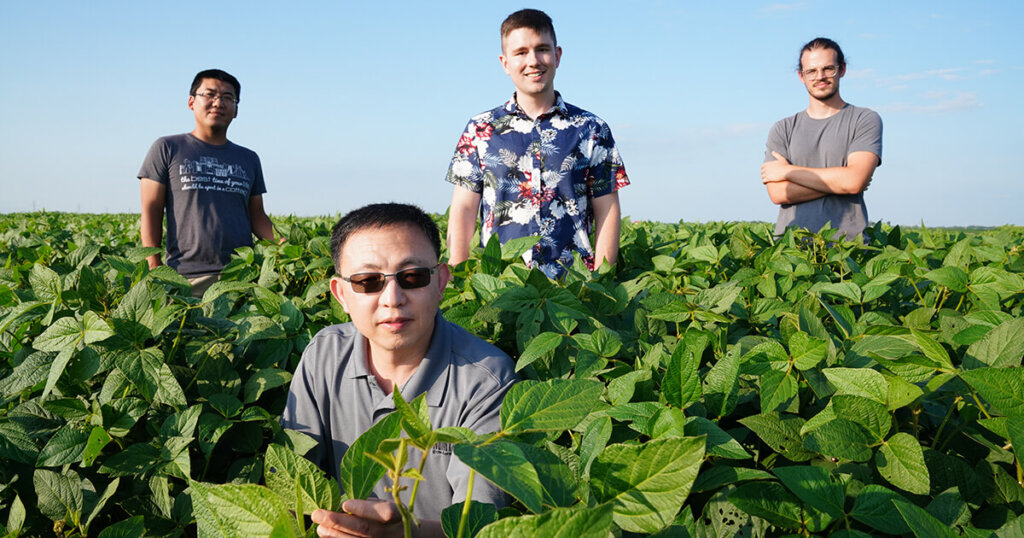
392,294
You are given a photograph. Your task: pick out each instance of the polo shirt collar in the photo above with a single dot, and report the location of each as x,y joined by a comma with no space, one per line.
512,107
431,376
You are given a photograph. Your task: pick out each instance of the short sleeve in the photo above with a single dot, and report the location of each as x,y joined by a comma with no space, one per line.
464,169
485,418
868,134
777,141
158,159
301,411
606,174
258,186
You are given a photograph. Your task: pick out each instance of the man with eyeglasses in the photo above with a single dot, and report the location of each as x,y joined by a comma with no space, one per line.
390,283
537,166
819,162
210,188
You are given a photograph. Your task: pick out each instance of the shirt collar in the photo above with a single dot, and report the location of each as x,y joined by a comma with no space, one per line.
512,107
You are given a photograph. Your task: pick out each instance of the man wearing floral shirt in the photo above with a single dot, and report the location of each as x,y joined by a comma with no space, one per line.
537,166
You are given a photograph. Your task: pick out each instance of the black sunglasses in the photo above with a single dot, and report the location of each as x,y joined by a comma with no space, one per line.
407,279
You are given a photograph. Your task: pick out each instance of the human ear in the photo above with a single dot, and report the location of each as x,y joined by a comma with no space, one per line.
336,291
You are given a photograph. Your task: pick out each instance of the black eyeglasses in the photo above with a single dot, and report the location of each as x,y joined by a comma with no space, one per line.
212,96
407,279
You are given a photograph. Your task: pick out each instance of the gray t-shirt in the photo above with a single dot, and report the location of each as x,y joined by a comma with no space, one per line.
334,398
207,202
825,143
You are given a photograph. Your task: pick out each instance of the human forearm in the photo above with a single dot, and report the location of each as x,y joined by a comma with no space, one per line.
151,221
461,223
607,223
852,178
787,192
262,227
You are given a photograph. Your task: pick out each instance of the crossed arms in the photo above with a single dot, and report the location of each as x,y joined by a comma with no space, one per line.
790,184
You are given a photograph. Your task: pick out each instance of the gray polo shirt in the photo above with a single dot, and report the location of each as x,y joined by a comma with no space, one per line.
334,398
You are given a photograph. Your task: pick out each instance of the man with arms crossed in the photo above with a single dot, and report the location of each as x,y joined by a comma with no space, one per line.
819,162
539,165
211,189
390,283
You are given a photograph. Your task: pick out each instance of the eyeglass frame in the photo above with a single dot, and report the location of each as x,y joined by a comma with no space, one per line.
212,96
820,72
384,279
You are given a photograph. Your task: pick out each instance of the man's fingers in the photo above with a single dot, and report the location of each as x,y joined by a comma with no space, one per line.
376,510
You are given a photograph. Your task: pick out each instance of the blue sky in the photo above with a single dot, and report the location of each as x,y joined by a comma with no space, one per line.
355,102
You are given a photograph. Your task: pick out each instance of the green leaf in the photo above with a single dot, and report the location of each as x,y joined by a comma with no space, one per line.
859,382
900,460
921,523
713,478
595,438
816,487
264,380
557,480
479,516
142,368
133,527
506,466
951,277
66,446
842,439
224,286
557,523
64,334
681,384
778,390
1000,347
16,444
721,384
1002,388
901,392
539,346
719,443
358,473
770,501
870,414
781,434
1015,433
556,404
807,351
288,474
57,497
45,283
846,290
874,507
647,484
236,510
932,349
57,369
16,516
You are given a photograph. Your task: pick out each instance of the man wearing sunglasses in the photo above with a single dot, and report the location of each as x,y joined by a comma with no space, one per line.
390,283
819,162
210,188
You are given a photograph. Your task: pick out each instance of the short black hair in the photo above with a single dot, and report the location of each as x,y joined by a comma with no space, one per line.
382,216
534,19
821,43
216,74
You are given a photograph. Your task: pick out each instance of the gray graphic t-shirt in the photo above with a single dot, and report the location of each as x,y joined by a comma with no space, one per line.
207,203
825,143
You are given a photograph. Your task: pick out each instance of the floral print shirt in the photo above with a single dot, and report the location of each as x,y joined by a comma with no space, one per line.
538,177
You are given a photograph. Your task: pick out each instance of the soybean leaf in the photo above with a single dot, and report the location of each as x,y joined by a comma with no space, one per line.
681,384
722,475
870,414
288,474
1015,433
57,369
770,501
647,484
66,446
900,460
921,523
57,496
721,384
64,334
133,527
807,351
506,466
1002,388
479,516
1001,347
846,290
719,442
358,472
778,390
236,510
595,438
557,523
556,404
842,439
265,379
539,346
16,516
932,349
951,277
816,487
859,382
415,418
874,507
558,482
142,368
781,434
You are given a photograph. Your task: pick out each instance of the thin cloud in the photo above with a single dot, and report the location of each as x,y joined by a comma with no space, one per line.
867,72
985,62
783,8
942,102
